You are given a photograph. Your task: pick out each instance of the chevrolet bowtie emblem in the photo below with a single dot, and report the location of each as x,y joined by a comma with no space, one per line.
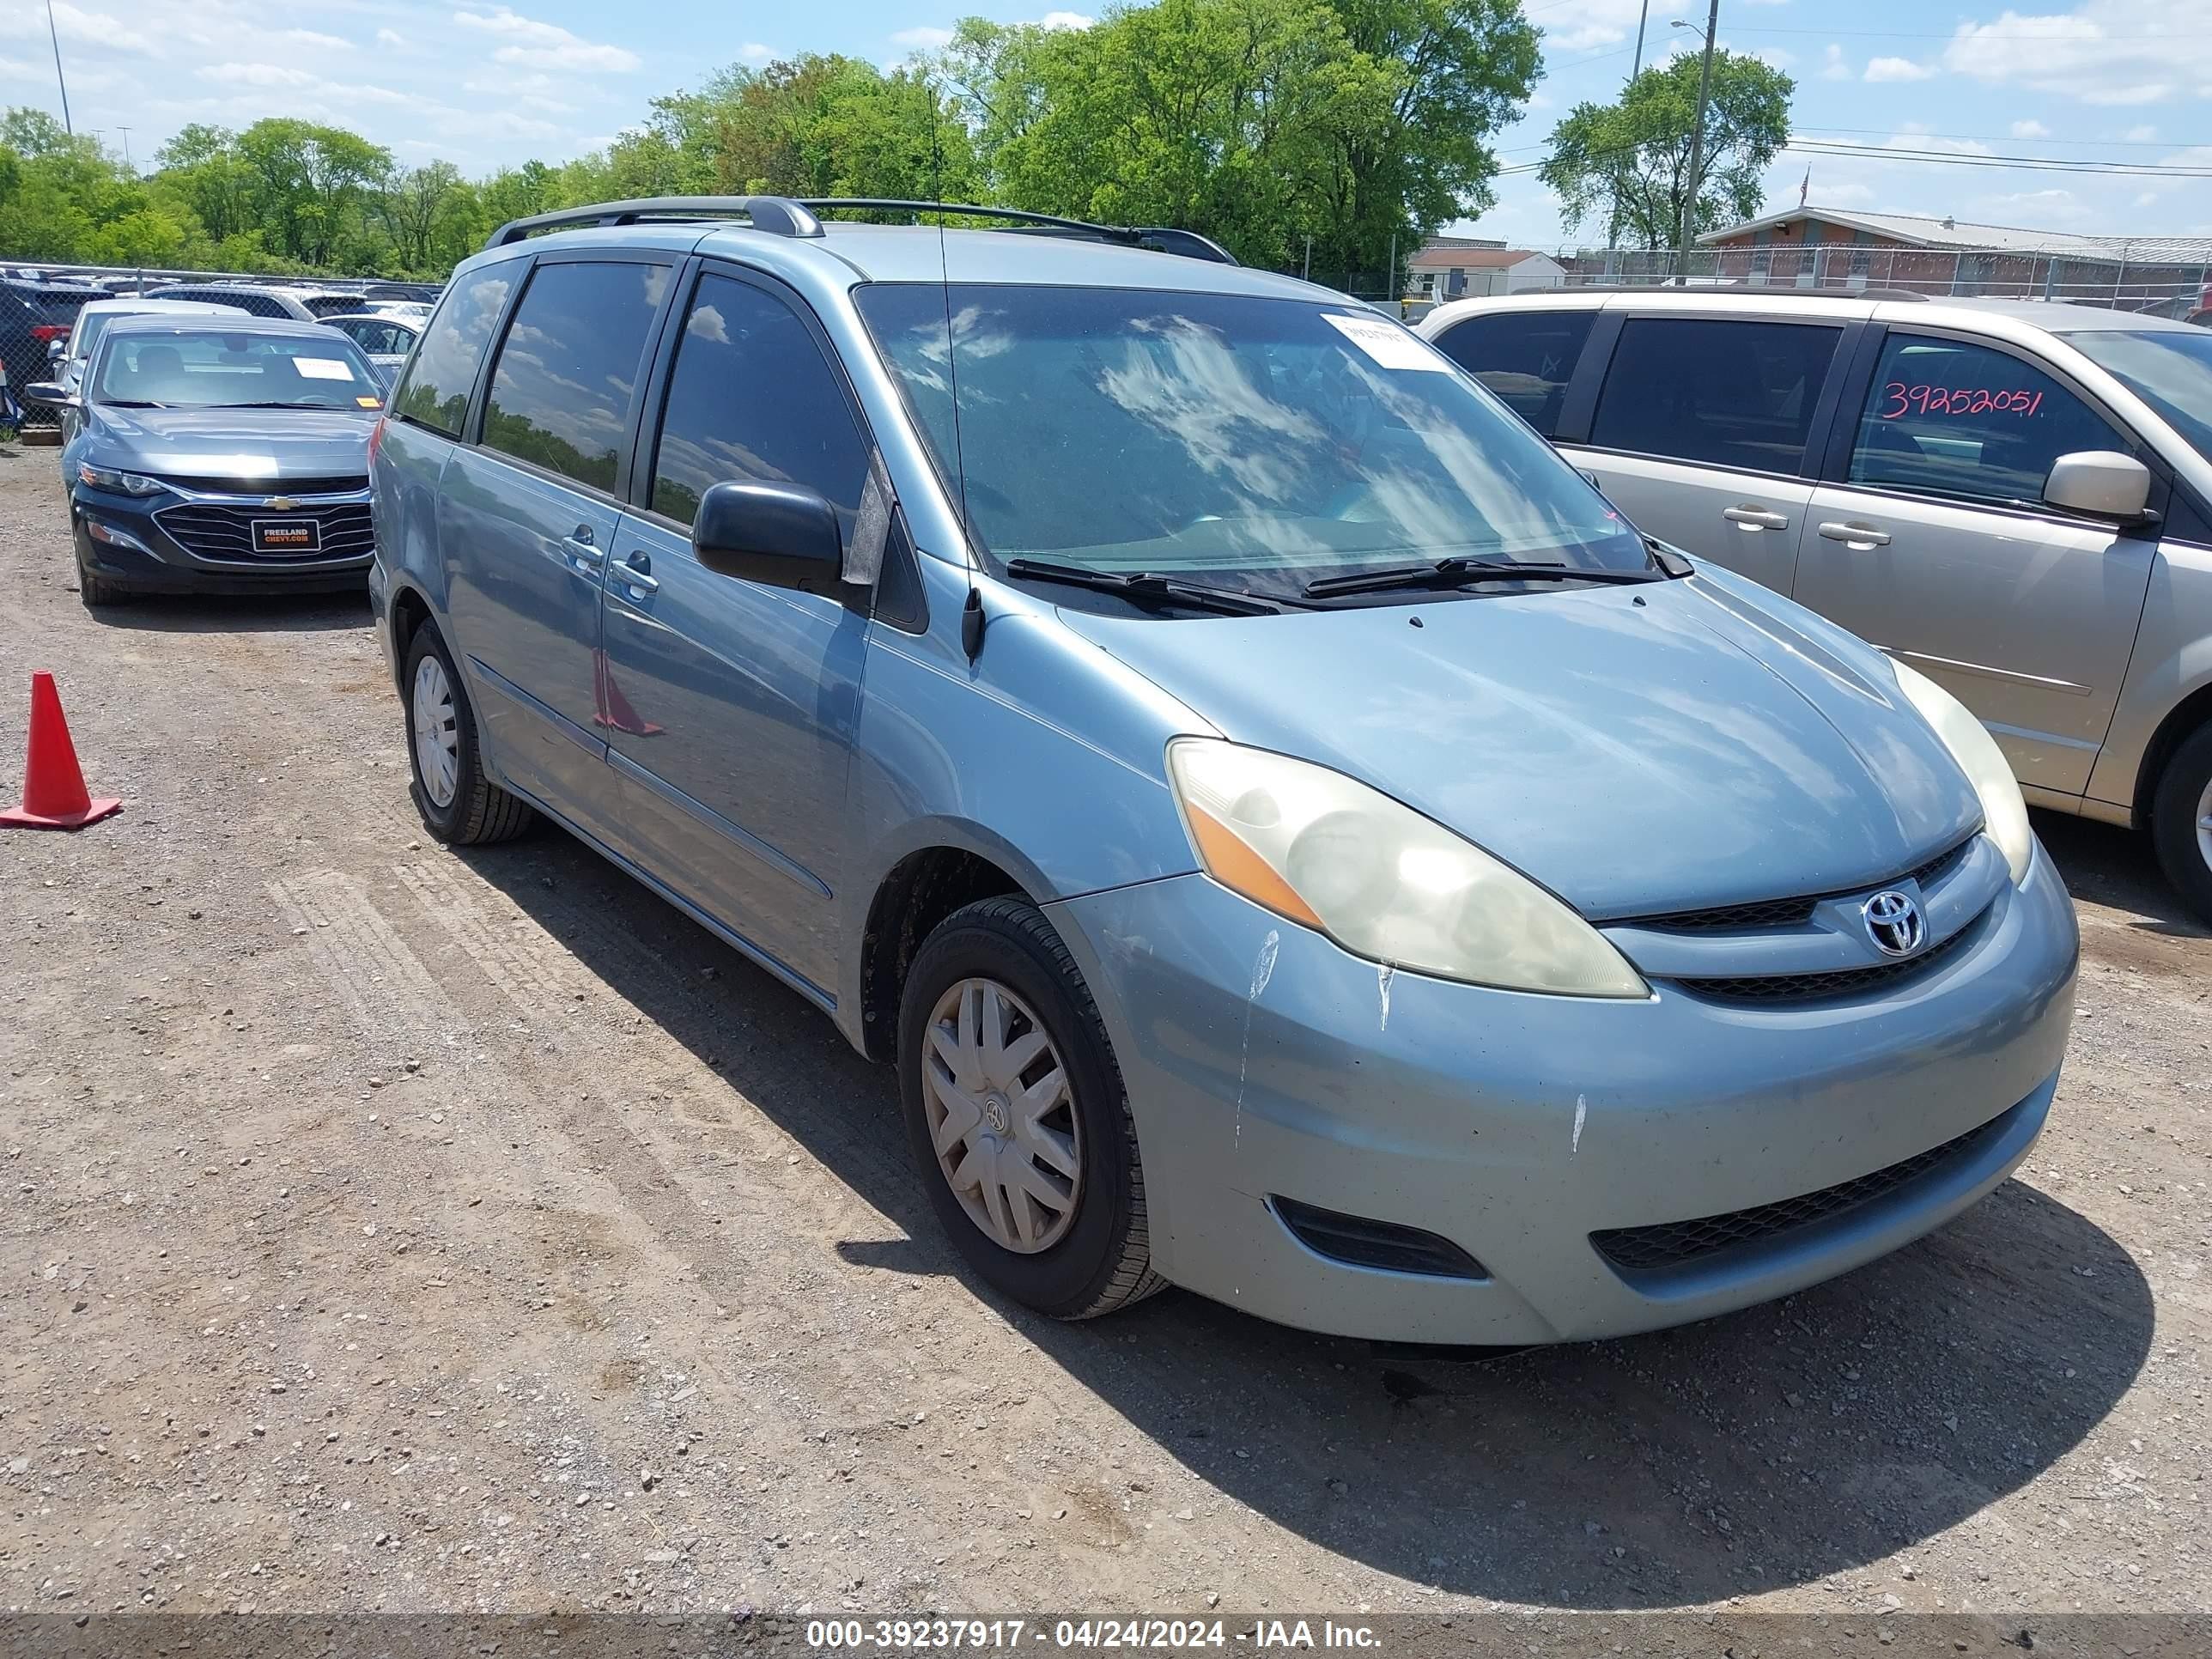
280,503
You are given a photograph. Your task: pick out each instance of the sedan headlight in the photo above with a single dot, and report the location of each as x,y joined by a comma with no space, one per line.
1382,881
123,483
2004,813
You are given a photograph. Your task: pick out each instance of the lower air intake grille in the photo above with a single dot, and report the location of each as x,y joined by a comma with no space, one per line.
1678,1243
227,533
1360,1243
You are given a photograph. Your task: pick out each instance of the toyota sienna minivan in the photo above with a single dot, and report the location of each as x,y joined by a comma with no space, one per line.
1294,838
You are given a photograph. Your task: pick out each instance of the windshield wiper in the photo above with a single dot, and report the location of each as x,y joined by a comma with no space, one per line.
130,402
1144,586
1461,573
272,403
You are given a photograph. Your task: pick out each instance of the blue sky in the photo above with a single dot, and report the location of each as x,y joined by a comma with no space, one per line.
486,83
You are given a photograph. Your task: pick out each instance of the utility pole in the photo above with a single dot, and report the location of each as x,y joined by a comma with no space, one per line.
1642,18
1307,274
1697,149
127,167
54,34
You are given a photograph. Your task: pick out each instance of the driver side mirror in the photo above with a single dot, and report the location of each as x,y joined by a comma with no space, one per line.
46,392
2101,482
777,534
57,350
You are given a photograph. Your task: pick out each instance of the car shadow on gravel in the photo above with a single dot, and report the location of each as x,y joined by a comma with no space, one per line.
2107,865
246,613
1749,1453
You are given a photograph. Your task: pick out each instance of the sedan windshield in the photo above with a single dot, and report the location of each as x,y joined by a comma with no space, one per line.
1254,444
2170,369
231,369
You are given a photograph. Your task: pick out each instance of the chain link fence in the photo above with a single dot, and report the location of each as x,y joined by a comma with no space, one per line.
2170,277
39,303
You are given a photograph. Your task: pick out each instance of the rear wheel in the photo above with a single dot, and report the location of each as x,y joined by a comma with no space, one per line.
1020,1127
458,803
2181,822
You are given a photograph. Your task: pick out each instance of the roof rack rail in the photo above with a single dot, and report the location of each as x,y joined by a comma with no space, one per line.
778,214
1764,289
1160,238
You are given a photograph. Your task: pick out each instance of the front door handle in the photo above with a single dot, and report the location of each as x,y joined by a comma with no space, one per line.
636,573
1859,537
1753,517
584,554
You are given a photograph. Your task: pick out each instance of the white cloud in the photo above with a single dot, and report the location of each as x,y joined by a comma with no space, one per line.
1897,69
2112,52
756,54
393,40
546,45
74,25
1833,65
2030,130
310,37
257,75
925,38
1066,20
2143,134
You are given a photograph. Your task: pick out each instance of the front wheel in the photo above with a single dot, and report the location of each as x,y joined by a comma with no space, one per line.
458,803
2181,822
94,589
1020,1127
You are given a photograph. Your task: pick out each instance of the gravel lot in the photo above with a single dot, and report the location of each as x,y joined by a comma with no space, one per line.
387,1228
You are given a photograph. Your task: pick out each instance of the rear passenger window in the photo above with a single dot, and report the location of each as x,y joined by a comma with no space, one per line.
1956,419
567,370
1725,393
751,397
436,394
1526,357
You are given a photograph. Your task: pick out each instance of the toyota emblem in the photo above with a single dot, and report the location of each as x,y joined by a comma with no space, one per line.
1894,923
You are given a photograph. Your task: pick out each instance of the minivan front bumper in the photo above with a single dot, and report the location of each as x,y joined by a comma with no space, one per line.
1264,1064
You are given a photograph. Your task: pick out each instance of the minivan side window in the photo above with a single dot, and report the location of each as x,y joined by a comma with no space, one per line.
751,397
436,394
1525,357
567,374
1953,418
1727,393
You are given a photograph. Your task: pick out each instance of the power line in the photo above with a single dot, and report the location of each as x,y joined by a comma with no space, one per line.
2016,163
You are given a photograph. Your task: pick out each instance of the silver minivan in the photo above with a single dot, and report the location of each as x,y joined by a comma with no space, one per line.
1294,838
2011,496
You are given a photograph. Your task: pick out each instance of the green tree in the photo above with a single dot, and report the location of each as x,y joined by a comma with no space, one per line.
1627,163
409,203
310,185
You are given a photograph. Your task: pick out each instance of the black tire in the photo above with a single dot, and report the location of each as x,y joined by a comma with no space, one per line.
480,811
2174,811
1104,1262
95,590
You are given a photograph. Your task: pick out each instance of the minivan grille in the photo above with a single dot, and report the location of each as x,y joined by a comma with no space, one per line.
1788,912
1678,1243
1837,982
227,533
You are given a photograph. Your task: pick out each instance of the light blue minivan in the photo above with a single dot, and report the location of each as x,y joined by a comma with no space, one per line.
1294,839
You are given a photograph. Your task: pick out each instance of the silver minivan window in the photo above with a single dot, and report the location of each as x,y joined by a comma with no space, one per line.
2170,369
1262,443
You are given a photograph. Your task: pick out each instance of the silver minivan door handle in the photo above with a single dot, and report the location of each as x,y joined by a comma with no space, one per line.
1858,536
635,573
1753,517
581,550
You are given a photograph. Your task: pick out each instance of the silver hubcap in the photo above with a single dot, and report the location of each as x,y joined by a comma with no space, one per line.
2204,825
437,742
1001,1116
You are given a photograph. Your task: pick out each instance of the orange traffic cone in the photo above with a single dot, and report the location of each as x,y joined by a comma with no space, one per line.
53,786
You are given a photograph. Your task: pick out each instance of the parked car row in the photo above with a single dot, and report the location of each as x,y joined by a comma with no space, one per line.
2014,496
1182,722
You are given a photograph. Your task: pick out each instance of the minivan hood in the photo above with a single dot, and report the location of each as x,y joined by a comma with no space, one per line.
235,443
1640,749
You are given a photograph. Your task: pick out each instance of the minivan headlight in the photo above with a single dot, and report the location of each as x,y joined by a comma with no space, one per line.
2004,813
123,483
1382,881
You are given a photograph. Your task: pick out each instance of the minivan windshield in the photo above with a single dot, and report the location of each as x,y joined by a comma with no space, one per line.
1254,444
234,368
2169,368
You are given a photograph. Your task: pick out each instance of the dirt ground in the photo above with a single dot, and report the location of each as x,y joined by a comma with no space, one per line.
392,1228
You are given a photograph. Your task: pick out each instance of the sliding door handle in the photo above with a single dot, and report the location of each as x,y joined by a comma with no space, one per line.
1859,537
